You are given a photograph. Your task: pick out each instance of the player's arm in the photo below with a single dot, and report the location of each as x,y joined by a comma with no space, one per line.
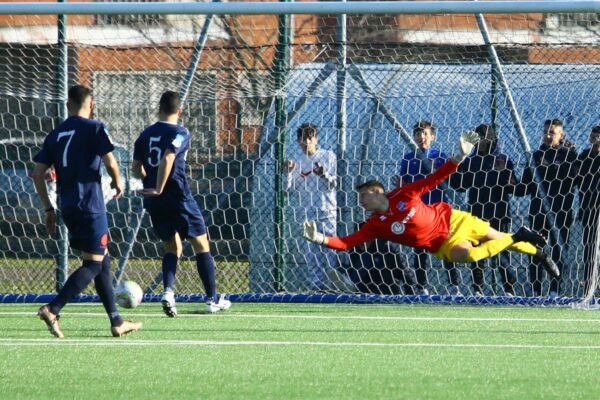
164,171
137,169
112,167
311,234
39,182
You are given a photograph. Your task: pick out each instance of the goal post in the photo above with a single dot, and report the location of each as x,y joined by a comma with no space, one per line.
363,75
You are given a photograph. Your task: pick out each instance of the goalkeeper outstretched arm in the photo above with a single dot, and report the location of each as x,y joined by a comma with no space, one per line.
311,234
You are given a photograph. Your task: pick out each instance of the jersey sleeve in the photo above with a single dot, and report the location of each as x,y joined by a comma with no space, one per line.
103,143
138,151
179,143
418,188
44,156
364,234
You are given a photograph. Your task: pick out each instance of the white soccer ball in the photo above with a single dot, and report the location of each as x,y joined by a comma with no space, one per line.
128,294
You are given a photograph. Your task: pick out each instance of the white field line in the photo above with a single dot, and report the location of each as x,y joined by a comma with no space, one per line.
321,317
133,343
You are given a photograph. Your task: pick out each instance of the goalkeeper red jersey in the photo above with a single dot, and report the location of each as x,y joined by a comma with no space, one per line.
407,221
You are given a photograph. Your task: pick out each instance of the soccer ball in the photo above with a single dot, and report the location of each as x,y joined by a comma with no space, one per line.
128,294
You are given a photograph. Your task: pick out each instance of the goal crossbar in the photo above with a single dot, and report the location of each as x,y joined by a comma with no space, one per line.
315,8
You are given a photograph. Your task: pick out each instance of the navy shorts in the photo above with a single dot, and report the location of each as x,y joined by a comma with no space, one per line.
87,232
186,220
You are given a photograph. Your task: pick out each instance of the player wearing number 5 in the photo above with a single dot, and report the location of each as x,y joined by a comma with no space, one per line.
76,149
159,160
401,216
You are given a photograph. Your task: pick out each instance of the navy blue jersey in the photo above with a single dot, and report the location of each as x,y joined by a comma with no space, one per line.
412,170
150,148
75,149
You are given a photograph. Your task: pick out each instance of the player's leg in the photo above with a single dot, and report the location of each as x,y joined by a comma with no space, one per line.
195,231
420,263
104,288
84,237
164,224
493,242
173,249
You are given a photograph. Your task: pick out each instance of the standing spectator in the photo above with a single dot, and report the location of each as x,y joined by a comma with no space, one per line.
556,165
378,266
588,181
488,177
412,169
313,176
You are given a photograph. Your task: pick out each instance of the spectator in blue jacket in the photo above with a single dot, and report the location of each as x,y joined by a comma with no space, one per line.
413,167
489,179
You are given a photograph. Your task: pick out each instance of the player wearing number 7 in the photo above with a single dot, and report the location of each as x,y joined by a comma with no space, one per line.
76,149
159,160
451,235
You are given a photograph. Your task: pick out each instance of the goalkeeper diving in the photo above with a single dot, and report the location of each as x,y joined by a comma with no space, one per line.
451,235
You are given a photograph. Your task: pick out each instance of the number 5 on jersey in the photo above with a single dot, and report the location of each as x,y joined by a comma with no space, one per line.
157,150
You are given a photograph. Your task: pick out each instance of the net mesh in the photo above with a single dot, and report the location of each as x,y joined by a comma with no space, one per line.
254,86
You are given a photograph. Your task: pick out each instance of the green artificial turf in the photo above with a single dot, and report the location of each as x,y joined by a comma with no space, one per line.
304,351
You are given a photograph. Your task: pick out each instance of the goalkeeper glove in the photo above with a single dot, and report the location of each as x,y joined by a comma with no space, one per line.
467,141
310,233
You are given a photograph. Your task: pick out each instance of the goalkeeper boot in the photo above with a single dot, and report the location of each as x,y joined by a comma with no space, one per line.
525,234
546,262
51,321
125,328
168,304
222,305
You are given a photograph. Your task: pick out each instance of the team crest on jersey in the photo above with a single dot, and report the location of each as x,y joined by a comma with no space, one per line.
398,228
178,141
401,206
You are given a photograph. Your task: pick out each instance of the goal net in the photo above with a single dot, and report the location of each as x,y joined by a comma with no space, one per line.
387,94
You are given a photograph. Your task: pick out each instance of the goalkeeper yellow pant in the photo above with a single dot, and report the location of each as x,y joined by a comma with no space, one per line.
465,227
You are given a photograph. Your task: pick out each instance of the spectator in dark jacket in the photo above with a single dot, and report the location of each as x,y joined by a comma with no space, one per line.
588,181
488,177
556,165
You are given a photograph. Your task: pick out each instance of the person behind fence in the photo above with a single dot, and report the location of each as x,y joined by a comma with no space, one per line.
312,177
488,177
159,159
379,267
555,164
588,181
401,216
76,149
412,169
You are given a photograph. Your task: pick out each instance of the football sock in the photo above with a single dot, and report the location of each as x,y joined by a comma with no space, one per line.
104,287
169,268
77,281
524,247
206,269
489,248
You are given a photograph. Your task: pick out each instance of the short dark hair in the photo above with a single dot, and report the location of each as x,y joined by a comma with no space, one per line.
595,130
170,103
485,130
78,94
307,130
422,126
370,184
553,122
